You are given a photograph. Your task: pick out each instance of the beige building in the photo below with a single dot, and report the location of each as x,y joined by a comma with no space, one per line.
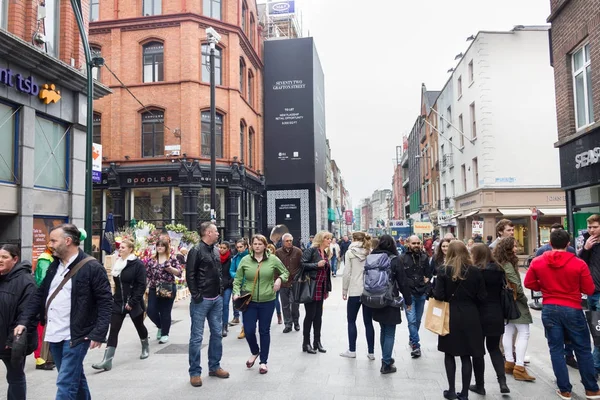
489,205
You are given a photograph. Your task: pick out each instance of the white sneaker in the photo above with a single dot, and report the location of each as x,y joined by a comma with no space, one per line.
163,340
371,356
348,354
526,359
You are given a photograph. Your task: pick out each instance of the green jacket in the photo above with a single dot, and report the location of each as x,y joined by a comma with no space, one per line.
43,262
244,277
515,278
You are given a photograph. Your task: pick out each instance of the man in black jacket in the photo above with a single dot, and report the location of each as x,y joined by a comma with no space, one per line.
418,274
79,314
203,274
590,253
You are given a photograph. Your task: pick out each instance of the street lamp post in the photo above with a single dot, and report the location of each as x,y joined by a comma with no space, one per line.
213,39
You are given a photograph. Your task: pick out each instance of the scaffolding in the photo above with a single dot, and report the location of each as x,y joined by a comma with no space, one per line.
279,26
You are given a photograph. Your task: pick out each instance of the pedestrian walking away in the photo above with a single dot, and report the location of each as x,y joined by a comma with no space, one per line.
271,250
43,357
226,283
315,264
17,287
344,246
203,273
352,289
562,277
75,303
334,256
290,257
418,272
242,251
129,275
460,284
257,271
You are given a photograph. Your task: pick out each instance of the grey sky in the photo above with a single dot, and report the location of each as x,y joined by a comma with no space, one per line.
375,56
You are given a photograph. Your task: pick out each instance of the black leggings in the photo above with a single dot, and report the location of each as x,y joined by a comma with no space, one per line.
116,322
467,369
314,318
493,347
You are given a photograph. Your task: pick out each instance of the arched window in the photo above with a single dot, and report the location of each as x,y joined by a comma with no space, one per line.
153,134
212,8
97,128
244,16
153,62
250,87
205,117
96,52
242,139
252,29
206,65
242,74
251,136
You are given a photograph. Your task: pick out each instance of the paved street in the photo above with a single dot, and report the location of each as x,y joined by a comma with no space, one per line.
292,374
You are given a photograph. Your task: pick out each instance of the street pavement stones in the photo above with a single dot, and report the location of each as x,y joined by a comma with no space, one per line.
292,374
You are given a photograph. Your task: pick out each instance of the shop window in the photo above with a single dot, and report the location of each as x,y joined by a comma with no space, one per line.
8,143
96,52
459,85
244,16
473,121
582,85
94,10
202,205
152,205
153,62
251,148
51,154
205,116
97,128
153,134
252,29
206,65
212,8
461,130
152,7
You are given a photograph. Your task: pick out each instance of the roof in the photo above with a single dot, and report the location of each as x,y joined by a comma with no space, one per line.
430,98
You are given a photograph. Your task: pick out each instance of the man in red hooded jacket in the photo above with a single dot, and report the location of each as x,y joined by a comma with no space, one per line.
562,277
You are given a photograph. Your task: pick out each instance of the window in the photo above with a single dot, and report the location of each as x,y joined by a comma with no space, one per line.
212,8
251,148
94,10
97,128
473,121
463,177
96,52
452,188
153,134
471,72
205,117
152,7
444,191
448,116
51,154
8,147
206,65
461,129
244,15
242,73
153,62
3,13
582,83
475,173
51,27
250,88
459,87
252,29
242,136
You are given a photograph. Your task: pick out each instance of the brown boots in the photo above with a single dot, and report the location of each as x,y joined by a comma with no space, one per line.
509,367
521,374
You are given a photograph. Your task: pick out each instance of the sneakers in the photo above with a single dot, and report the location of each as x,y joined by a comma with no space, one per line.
158,334
387,368
219,373
234,321
163,339
592,395
348,354
371,357
416,352
563,395
195,381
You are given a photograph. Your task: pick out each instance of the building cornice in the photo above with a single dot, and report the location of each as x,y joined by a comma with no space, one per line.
557,11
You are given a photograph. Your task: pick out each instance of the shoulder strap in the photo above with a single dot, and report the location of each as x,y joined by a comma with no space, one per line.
67,277
256,277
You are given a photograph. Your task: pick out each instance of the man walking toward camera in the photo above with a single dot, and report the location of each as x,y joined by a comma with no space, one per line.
290,257
590,253
562,277
204,282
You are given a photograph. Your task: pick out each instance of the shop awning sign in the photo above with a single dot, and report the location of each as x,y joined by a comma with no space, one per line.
422,227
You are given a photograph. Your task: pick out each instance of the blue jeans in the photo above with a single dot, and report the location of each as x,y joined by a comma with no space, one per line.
159,310
71,382
387,337
414,316
213,311
15,377
226,300
557,321
261,313
594,305
351,314
334,262
277,304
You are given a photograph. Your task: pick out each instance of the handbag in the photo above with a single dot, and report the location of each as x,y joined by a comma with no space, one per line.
510,310
164,290
437,319
303,288
593,320
242,302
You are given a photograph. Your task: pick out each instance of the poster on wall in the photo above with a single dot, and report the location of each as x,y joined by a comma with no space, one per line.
287,212
477,228
41,234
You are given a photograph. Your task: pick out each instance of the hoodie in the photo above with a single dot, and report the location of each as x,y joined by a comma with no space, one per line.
561,277
354,265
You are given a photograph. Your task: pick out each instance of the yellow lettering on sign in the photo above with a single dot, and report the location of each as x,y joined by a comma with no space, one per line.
49,94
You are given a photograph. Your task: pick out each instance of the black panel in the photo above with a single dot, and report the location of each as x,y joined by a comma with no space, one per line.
580,161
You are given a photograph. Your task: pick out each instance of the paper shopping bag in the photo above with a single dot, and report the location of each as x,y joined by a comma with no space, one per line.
437,319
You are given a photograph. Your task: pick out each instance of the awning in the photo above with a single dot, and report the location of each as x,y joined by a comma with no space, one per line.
456,216
553,212
471,214
515,212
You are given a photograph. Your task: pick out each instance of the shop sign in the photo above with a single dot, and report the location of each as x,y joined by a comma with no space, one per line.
579,161
41,234
422,227
148,180
46,92
96,163
477,228
587,158
444,216
465,204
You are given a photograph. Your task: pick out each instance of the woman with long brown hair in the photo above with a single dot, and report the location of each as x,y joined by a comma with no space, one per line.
505,254
492,317
439,256
460,284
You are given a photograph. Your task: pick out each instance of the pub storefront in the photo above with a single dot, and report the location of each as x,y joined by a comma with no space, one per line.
179,193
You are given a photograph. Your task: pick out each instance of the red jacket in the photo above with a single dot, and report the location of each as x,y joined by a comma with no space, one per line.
561,277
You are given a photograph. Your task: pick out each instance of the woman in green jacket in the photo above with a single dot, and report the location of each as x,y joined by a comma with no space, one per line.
255,274
505,254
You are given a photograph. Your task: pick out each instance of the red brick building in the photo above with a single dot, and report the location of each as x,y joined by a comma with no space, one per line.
575,56
156,145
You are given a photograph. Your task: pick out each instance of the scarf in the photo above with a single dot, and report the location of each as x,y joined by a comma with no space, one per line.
225,257
120,264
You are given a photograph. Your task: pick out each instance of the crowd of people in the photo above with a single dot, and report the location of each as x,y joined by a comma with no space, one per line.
68,306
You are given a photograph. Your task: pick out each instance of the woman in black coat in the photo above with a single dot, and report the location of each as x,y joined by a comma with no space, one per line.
226,283
129,275
315,264
388,317
462,286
